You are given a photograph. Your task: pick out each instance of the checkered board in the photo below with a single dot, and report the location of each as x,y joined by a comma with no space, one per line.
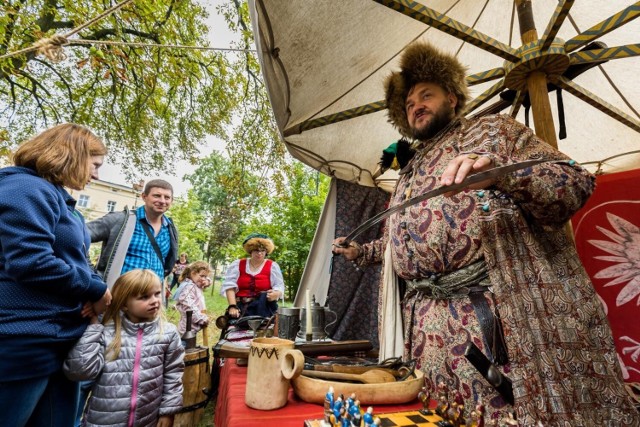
394,419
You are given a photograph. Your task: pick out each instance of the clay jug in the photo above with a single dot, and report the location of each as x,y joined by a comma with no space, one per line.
267,388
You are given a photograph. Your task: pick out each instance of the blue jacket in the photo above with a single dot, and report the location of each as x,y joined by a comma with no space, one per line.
45,276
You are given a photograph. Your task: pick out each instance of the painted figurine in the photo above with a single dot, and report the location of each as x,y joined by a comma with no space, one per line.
328,404
425,397
457,419
480,410
476,417
351,399
354,408
345,418
443,400
367,417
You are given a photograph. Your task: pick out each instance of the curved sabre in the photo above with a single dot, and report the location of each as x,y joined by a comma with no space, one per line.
472,179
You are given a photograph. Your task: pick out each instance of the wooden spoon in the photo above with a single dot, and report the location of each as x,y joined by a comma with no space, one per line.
373,376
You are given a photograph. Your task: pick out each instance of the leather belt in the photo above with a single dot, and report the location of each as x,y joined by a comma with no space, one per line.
470,282
245,300
491,326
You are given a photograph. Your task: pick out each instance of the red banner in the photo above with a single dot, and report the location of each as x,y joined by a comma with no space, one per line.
607,233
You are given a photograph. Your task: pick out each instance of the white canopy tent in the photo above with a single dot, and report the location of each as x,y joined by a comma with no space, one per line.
324,62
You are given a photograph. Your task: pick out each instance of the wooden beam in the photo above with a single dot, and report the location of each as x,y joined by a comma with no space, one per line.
517,103
484,96
336,118
599,55
450,26
556,21
597,102
626,15
537,80
485,76
374,107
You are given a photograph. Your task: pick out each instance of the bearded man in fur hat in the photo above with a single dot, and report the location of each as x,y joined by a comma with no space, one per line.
492,265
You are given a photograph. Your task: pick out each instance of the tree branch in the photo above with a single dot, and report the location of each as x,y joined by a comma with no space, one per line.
106,32
66,84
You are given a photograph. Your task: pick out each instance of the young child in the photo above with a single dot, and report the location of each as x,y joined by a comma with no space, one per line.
135,356
193,280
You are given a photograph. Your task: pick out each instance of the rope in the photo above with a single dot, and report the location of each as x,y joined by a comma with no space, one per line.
51,47
599,163
172,46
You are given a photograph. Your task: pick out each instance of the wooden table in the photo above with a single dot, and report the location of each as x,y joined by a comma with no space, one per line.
231,410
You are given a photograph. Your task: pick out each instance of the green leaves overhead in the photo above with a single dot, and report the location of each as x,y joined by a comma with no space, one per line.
153,105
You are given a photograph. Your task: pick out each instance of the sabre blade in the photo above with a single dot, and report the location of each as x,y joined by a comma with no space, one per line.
470,180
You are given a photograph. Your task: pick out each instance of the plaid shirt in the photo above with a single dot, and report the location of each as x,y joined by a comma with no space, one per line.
141,253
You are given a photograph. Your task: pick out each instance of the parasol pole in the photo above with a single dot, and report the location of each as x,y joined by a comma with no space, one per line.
536,80
537,85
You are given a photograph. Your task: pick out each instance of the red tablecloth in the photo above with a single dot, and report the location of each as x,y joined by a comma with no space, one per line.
232,412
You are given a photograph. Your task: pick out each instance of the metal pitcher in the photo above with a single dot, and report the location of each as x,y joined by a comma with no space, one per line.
189,336
288,322
319,318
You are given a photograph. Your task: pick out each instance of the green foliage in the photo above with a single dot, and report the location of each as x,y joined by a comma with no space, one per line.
232,203
255,141
226,194
291,220
155,105
152,105
187,216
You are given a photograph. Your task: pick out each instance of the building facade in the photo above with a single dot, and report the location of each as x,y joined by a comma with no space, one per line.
101,197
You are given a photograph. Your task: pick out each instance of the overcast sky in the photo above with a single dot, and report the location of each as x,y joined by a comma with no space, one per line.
219,36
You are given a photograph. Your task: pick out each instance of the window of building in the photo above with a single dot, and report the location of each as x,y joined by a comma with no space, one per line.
83,201
111,206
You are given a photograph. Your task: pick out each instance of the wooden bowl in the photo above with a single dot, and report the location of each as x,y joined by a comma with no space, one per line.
313,390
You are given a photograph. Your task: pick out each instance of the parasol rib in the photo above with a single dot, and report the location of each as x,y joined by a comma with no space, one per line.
596,102
517,103
485,76
351,113
598,55
450,26
374,107
485,96
555,23
626,15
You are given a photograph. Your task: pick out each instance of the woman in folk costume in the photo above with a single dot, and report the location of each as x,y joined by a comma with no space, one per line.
492,265
253,285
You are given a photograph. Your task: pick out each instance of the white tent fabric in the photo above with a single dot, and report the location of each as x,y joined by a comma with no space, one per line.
323,57
327,57
317,270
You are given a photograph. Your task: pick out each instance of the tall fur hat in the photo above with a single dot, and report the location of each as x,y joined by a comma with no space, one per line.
422,62
256,241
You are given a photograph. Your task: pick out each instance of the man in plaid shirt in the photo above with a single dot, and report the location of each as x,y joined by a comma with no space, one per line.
144,238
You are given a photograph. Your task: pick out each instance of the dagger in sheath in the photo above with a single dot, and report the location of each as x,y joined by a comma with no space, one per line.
470,180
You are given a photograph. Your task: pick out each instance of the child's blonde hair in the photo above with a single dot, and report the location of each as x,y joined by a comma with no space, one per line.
131,284
195,267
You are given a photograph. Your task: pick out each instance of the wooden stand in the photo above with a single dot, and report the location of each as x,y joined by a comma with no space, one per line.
196,378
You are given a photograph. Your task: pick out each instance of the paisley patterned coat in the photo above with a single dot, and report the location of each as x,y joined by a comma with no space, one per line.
562,360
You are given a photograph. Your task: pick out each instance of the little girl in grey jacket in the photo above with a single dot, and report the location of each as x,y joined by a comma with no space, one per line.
134,355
